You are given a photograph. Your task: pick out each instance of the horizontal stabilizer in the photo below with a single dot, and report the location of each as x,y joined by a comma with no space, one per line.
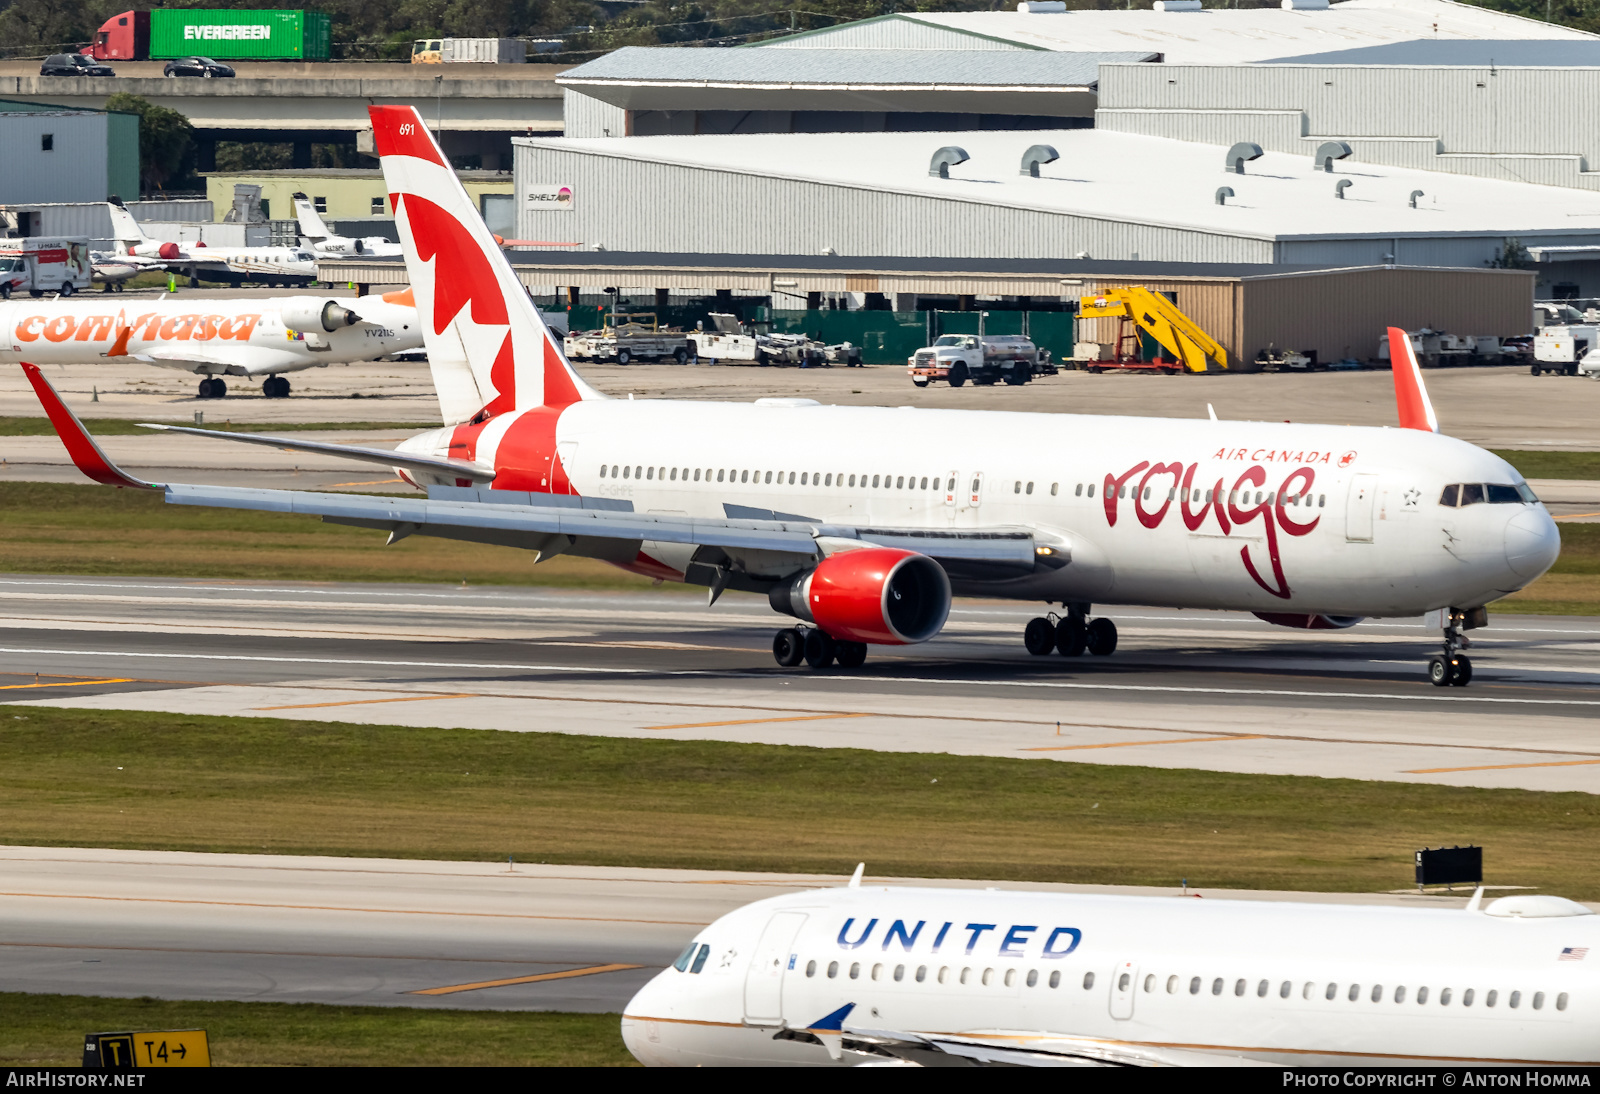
434,465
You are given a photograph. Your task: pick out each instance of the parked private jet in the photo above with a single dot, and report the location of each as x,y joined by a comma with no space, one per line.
231,265
259,339
322,242
953,977
863,522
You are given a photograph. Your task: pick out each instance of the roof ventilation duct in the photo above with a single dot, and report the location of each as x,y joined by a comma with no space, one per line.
1415,194
1042,7
1223,194
1304,5
946,158
1239,153
1340,188
1035,156
1327,152
1177,5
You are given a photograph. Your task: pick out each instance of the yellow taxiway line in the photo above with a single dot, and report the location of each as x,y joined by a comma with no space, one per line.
70,684
763,721
1175,741
1500,767
364,702
567,975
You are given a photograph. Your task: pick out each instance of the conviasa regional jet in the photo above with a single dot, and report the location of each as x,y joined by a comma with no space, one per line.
963,977
863,522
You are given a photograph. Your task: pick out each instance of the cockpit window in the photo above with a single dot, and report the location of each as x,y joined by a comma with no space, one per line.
682,962
700,959
1473,493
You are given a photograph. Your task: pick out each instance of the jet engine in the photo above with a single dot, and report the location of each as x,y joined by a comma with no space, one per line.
870,594
338,245
310,313
1309,622
169,251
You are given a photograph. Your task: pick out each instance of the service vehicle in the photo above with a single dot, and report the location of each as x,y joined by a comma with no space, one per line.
982,358
734,341
39,264
233,34
862,523
73,64
1559,349
1138,309
483,51
625,337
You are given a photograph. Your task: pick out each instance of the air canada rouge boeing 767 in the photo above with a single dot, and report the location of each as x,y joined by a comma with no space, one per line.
863,522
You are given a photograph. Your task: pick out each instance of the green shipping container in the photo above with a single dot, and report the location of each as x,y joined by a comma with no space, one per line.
239,35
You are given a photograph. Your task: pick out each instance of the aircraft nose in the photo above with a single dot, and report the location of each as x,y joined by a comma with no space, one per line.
1532,543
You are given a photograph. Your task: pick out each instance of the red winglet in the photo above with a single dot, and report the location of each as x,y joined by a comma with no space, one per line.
1410,396
80,446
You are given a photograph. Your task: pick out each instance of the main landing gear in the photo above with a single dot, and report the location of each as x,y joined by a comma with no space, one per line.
1070,635
1452,669
817,648
275,387
213,387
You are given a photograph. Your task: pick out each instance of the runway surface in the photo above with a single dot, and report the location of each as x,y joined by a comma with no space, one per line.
1208,690
382,932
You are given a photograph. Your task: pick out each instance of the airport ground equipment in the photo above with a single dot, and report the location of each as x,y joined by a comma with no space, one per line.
1559,350
731,340
984,359
1142,309
625,337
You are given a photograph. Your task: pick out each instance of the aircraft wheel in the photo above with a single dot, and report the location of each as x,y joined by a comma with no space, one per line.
1462,674
1071,636
788,647
106,287
850,655
1438,671
1039,636
206,388
821,649
1101,637
219,387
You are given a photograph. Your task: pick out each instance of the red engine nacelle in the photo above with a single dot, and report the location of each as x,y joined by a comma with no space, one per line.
1309,622
169,250
872,594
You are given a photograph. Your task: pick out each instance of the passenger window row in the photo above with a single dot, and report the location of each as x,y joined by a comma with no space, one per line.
1235,497
1460,494
946,974
783,478
1352,992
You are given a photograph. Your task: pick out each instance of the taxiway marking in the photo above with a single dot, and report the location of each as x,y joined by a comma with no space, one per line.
69,684
764,721
365,702
566,975
1500,767
1176,741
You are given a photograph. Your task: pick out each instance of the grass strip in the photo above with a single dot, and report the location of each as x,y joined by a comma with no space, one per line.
92,778
1552,465
125,427
65,528
47,1031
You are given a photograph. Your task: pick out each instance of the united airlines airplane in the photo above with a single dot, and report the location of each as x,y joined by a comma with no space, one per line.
944,977
862,523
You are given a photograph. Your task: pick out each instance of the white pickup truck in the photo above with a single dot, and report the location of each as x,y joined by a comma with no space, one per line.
981,358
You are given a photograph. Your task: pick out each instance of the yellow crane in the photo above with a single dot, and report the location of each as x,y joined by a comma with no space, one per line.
1140,308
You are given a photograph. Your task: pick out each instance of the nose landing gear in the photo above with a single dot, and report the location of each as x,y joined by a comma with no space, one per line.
817,648
1452,669
1070,635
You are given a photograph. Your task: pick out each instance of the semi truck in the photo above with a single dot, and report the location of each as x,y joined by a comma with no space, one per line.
981,358
168,33
483,51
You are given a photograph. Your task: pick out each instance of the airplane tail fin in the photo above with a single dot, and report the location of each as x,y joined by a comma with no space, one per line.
311,222
490,350
124,229
1410,394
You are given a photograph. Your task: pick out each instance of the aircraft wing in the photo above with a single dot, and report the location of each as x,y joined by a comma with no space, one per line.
238,361
1020,1049
779,543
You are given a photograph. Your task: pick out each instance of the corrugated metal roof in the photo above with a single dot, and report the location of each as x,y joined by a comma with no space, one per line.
1127,178
1211,36
1502,52
879,67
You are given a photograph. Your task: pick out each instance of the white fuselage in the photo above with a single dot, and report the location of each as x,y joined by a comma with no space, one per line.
1287,983
209,337
1340,520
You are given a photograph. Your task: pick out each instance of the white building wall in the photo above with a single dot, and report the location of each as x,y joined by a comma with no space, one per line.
1518,124
631,205
75,168
585,116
